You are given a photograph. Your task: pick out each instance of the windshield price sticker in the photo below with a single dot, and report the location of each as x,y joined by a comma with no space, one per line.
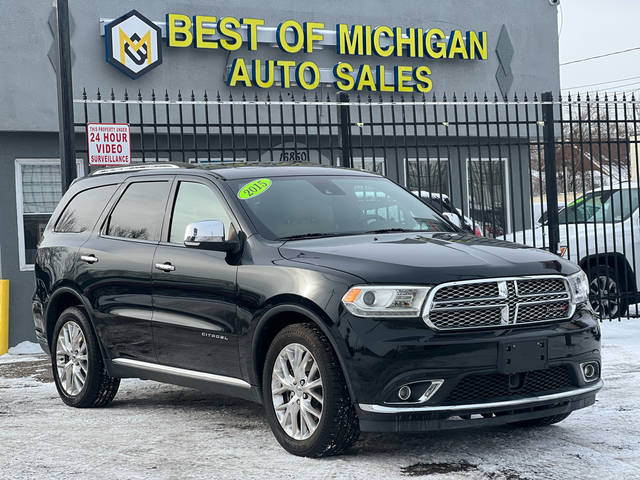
253,189
109,144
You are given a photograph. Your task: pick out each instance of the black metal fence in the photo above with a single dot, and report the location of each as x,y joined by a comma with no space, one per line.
554,173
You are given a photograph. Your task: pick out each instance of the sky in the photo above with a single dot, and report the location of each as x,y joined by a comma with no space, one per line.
596,27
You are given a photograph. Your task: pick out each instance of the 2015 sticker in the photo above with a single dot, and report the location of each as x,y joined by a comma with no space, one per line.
253,189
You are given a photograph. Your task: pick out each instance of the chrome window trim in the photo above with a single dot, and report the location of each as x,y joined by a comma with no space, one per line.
156,367
483,406
430,303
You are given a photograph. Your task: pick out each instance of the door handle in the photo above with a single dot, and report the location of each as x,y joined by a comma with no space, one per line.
89,258
165,267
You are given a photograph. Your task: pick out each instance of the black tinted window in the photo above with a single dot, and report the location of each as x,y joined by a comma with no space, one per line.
139,212
195,202
83,210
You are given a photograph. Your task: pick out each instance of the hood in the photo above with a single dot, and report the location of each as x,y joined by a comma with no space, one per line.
424,258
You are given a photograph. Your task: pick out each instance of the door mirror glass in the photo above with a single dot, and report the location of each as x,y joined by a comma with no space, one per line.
453,218
208,234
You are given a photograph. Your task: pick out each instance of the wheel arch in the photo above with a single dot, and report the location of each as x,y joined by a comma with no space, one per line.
614,260
281,315
63,298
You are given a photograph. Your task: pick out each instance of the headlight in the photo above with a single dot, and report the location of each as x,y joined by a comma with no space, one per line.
383,301
579,284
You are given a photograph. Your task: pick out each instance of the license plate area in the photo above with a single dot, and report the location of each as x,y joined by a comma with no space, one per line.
523,356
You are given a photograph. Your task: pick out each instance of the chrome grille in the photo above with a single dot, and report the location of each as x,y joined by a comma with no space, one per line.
498,302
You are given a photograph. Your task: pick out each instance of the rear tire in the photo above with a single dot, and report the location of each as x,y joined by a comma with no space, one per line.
296,425
542,422
78,370
607,288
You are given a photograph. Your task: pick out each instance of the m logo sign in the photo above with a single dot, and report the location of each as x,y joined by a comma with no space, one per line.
133,44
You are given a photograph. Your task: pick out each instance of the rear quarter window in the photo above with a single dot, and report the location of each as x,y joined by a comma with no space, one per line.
82,212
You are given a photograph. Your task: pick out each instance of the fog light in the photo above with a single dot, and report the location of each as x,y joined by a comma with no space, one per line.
590,371
404,393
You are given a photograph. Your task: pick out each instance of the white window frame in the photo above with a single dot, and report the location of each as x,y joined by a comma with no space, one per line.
506,186
19,163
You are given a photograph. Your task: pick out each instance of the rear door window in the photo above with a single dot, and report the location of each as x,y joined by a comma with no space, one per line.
139,212
83,210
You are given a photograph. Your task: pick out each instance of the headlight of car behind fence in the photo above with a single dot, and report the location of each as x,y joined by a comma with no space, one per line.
385,301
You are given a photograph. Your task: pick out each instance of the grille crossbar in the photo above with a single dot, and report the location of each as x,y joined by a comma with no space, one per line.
498,302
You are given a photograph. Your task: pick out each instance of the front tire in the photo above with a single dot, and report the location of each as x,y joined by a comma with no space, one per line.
78,370
305,395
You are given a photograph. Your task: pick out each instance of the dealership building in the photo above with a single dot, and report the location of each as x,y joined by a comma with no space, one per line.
251,49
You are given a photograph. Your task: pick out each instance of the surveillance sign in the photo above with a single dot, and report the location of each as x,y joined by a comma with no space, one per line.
133,44
109,144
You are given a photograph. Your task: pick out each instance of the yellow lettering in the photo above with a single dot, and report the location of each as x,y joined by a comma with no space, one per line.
377,47
257,73
281,36
401,42
315,74
311,36
223,28
239,73
286,65
440,50
342,71
420,43
201,30
424,84
456,47
382,86
183,29
402,75
477,45
350,42
252,31
365,79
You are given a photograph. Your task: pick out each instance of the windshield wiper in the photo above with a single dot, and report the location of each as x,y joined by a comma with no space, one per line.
390,230
308,235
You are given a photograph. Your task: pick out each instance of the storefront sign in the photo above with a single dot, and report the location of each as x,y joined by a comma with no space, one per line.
230,34
109,144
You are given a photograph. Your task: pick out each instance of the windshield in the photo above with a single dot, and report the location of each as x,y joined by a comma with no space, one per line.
602,206
310,206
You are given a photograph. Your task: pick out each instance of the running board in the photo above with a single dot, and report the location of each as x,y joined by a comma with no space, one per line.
182,372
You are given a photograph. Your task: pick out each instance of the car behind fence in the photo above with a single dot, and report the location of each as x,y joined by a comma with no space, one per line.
554,173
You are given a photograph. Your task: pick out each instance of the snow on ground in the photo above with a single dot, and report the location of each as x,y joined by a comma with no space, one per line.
162,431
25,348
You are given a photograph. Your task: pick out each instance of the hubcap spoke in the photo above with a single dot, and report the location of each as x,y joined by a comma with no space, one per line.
296,391
72,361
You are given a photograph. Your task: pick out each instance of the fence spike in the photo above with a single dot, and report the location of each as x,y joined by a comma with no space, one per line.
126,95
98,96
139,95
218,98
84,93
113,95
193,97
206,98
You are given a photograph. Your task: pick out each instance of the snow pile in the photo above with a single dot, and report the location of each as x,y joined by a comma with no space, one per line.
25,348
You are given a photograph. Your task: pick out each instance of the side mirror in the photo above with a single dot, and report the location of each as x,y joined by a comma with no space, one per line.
210,235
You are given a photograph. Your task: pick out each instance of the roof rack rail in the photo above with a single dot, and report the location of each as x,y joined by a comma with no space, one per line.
132,168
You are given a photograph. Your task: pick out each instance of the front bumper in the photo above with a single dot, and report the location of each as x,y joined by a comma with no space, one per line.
383,418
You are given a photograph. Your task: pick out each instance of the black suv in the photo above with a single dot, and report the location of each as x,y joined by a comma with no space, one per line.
334,297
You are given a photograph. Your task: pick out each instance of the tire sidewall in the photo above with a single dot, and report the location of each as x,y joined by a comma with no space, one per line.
77,316
286,337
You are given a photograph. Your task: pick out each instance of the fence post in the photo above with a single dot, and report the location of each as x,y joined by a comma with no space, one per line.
65,95
345,130
551,180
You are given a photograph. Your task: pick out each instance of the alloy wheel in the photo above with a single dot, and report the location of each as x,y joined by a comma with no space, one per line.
605,297
296,391
71,358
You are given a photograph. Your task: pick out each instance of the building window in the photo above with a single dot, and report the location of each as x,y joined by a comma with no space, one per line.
370,164
488,196
38,191
428,176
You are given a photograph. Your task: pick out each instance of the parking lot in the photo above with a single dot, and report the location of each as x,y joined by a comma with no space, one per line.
161,431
